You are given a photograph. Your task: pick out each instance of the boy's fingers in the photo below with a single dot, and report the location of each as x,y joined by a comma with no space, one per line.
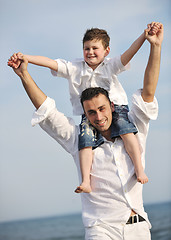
152,24
148,25
154,28
15,56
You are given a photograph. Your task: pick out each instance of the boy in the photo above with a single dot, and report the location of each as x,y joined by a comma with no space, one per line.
97,70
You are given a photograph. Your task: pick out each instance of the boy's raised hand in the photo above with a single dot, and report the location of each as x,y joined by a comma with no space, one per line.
154,33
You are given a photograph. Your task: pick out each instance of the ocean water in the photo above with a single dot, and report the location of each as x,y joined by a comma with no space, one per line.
71,228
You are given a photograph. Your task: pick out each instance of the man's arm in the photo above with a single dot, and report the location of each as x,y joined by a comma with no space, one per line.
153,67
35,94
37,60
61,128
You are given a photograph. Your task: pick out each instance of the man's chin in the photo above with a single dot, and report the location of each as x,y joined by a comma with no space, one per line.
100,129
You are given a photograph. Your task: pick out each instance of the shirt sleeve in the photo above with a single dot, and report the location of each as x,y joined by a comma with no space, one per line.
63,68
58,126
142,112
117,65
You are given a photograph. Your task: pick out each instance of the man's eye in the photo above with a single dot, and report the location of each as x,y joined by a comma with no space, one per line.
91,113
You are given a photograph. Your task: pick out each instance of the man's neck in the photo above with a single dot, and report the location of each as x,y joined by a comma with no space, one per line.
107,135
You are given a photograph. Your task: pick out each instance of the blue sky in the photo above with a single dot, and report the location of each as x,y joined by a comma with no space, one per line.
37,177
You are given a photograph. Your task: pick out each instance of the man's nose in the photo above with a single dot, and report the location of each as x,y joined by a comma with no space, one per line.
98,116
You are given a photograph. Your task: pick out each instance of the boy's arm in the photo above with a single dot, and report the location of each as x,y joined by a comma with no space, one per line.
37,60
61,128
133,49
42,61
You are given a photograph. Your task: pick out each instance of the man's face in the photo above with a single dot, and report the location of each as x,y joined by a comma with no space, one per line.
94,53
98,110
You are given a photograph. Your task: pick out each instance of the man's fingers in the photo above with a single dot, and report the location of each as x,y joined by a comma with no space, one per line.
20,56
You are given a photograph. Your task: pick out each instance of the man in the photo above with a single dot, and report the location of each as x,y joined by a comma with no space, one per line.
114,208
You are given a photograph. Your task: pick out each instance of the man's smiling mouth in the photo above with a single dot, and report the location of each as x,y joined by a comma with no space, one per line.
101,123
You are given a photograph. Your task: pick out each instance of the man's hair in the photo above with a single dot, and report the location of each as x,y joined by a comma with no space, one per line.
97,34
90,93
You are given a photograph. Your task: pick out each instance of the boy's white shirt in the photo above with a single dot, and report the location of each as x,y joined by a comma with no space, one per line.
80,76
115,190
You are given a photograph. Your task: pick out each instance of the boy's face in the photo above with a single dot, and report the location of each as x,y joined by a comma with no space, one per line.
99,110
94,52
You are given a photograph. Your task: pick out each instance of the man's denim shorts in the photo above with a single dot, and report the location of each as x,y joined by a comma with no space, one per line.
90,137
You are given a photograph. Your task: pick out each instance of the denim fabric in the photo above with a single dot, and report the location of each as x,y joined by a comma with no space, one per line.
121,124
90,137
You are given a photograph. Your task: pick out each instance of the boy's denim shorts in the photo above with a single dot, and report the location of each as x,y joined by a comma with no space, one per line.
90,137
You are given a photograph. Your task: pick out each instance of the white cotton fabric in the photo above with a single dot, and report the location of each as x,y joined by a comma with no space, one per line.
136,231
80,76
115,190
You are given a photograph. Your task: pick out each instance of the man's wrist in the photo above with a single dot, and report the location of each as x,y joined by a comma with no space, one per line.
24,74
156,45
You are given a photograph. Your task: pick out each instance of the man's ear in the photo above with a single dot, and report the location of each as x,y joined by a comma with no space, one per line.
112,107
107,51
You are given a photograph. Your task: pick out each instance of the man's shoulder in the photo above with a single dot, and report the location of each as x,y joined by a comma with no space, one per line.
63,129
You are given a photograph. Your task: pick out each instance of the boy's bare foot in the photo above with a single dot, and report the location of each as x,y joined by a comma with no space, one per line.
83,188
142,177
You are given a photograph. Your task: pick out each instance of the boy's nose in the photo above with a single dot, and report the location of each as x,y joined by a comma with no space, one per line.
90,51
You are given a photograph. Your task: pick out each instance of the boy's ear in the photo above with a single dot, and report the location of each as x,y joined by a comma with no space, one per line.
112,107
107,51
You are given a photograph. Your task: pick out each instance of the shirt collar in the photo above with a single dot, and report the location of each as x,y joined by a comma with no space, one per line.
87,71
101,64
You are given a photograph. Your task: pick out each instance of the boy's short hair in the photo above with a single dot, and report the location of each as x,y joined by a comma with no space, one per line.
92,92
97,34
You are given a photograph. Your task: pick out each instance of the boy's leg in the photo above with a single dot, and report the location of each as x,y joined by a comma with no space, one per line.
86,158
88,138
133,149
